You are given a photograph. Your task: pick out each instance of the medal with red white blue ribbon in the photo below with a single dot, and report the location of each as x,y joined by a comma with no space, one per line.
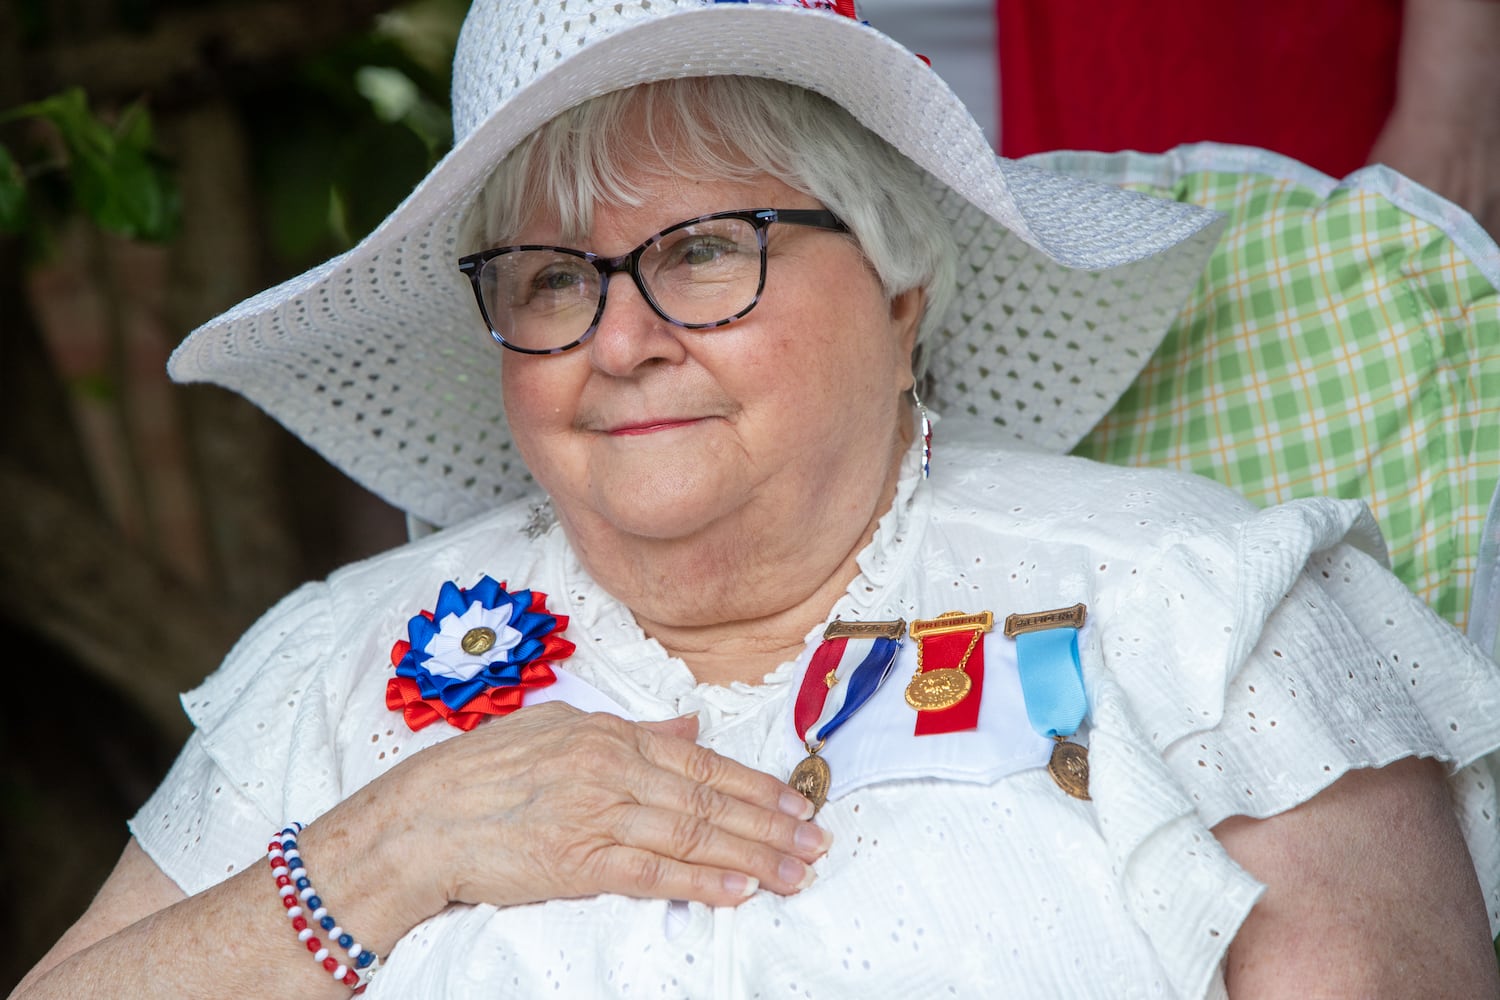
847,668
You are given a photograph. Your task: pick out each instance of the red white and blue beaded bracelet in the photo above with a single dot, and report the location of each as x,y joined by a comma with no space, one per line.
302,902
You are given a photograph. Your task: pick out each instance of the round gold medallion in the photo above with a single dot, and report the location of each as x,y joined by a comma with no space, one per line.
478,640
935,690
1069,767
811,778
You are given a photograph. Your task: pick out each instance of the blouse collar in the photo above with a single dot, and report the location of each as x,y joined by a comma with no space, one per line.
621,660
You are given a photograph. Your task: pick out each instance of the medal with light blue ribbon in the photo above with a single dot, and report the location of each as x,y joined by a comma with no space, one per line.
846,670
1052,686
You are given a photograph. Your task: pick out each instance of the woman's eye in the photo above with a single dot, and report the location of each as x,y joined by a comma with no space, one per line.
557,280
698,251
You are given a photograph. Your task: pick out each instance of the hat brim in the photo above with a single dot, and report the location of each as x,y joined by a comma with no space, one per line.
378,358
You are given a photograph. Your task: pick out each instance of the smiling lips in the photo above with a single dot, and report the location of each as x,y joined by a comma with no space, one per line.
651,425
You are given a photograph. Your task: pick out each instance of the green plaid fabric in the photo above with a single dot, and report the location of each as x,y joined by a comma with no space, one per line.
1337,345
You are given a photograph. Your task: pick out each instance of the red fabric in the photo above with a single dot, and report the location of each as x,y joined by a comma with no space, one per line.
947,651
1314,81
402,695
813,694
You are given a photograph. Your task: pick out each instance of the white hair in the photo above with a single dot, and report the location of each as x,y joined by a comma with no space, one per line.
732,127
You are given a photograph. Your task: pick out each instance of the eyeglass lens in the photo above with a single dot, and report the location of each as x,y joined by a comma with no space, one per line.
698,274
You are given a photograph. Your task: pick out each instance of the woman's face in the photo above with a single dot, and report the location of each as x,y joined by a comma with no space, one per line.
785,423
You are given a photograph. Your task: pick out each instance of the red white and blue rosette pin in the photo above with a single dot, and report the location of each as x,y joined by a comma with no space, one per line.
474,655
846,670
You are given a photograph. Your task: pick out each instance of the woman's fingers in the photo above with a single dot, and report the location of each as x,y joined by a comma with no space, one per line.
631,871
696,782
702,808
684,727
703,817
551,803
704,767
680,836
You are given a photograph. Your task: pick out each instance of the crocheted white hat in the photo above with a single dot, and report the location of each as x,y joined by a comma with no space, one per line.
379,359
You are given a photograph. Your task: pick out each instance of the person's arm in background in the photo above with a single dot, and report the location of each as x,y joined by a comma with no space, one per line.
1444,131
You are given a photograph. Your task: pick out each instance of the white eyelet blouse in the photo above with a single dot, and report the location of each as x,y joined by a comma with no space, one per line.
1237,662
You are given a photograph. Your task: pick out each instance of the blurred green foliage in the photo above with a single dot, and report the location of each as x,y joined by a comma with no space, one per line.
12,194
339,143
108,171
336,143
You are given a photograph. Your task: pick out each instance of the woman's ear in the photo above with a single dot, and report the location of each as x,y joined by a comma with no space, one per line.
907,310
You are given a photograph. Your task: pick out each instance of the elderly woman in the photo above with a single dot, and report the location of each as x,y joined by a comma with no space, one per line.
1050,728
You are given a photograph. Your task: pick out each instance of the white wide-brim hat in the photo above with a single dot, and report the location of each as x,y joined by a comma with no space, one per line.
379,360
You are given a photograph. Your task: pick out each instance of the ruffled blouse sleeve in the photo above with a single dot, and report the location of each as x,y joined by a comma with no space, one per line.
1260,660
226,792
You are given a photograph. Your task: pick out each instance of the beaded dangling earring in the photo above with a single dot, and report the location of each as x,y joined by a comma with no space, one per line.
926,433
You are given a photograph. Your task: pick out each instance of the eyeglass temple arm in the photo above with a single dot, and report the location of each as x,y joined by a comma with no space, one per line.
818,218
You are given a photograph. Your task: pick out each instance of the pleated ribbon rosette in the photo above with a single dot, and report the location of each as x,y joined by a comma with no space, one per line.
474,655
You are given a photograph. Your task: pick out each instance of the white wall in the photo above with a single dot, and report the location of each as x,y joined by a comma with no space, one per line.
958,36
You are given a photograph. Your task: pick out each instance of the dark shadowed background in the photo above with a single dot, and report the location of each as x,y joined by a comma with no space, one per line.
159,161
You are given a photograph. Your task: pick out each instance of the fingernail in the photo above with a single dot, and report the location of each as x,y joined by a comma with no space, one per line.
813,838
740,885
795,805
800,876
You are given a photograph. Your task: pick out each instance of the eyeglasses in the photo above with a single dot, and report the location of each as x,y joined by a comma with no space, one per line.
698,274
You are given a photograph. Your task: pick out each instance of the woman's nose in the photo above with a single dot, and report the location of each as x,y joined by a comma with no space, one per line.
630,333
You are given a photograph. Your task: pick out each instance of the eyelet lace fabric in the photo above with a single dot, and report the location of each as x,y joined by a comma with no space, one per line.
1238,662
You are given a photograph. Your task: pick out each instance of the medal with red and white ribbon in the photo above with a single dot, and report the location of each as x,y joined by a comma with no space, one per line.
847,668
948,686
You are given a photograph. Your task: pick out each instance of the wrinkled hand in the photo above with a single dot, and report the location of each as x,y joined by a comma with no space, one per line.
551,803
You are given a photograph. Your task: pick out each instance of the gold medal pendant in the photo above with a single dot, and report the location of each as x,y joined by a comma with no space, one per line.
811,778
943,687
938,689
1069,767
